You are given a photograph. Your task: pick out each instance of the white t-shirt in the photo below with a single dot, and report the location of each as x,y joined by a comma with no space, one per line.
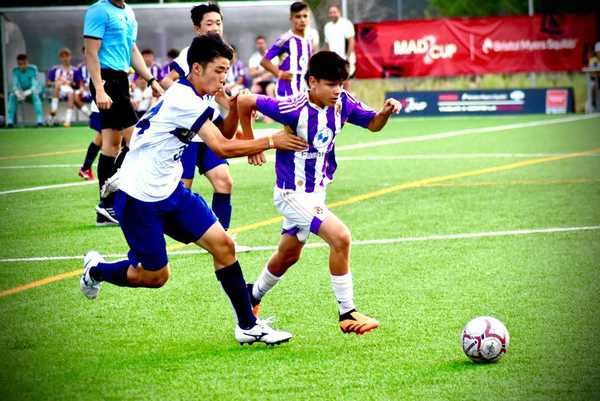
336,35
152,168
180,63
144,97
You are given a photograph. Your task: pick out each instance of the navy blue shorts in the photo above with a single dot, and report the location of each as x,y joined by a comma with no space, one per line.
183,216
198,154
95,122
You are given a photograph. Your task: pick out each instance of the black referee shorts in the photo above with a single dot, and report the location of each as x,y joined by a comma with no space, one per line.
121,114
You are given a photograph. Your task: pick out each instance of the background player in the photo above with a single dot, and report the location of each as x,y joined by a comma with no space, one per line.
294,49
206,18
302,177
152,201
61,80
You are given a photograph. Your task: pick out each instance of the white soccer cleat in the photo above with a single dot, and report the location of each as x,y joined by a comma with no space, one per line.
110,185
90,287
263,333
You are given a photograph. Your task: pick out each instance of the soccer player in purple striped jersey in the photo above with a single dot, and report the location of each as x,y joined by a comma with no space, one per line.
317,116
296,48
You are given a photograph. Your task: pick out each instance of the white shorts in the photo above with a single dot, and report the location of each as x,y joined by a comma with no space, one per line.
302,212
65,90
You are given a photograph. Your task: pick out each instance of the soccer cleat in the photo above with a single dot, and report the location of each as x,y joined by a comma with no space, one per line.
87,175
107,212
110,185
261,332
102,221
255,302
356,322
90,287
67,125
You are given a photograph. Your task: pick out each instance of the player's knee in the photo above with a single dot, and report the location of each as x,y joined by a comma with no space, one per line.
222,182
161,278
342,240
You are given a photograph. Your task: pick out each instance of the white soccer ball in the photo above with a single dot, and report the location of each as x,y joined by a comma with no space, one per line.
485,339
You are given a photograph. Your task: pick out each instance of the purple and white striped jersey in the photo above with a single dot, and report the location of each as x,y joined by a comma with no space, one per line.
312,169
59,72
295,52
81,76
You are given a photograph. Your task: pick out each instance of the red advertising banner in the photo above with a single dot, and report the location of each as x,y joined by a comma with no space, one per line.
467,46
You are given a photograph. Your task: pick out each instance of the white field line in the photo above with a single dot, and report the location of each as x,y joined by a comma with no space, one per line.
419,138
354,243
30,189
28,166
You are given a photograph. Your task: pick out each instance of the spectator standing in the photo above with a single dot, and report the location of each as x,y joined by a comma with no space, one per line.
339,38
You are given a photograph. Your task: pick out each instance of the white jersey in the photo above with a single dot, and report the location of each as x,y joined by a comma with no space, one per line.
336,35
180,63
152,168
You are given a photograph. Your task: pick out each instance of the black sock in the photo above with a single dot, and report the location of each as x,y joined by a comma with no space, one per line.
90,156
233,283
121,157
106,168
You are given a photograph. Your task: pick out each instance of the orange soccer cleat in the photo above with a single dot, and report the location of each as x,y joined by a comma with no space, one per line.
356,322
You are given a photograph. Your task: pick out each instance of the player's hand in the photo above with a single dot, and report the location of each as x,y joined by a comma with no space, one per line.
257,159
20,96
286,75
103,101
284,141
391,106
28,92
157,90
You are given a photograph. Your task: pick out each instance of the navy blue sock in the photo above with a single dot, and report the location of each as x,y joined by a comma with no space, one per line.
221,205
90,156
233,283
114,272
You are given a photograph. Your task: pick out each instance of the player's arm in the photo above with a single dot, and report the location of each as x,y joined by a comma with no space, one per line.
92,46
380,120
137,61
268,65
225,148
246,105
169,79
229,125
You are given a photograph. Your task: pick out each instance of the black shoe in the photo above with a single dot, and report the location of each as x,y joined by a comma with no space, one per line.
102,221
10,126
39,125
107,211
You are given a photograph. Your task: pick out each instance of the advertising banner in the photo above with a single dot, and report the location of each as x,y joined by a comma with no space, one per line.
485,102
474,46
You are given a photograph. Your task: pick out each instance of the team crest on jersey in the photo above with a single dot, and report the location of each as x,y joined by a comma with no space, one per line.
323,139
303,61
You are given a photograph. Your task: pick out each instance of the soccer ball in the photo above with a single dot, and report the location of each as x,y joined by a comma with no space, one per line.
485,339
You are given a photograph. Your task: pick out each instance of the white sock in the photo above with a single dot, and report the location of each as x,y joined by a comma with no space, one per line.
54,105
263,284
344,292
68,116
85,110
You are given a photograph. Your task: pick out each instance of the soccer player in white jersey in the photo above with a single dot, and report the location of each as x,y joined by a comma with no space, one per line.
206,18
317,116
152,201
294,48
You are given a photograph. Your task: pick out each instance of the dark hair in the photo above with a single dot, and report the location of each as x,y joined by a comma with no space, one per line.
199,11
327,65
173,53
206,48
297,6
148,51
22,57
260,37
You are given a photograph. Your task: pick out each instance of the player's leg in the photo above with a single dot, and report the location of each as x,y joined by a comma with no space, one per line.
54,104
194,221
126,135
67,92
93,148
147,263
333,231
111,143
217,172
287,254
37,107
12,110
